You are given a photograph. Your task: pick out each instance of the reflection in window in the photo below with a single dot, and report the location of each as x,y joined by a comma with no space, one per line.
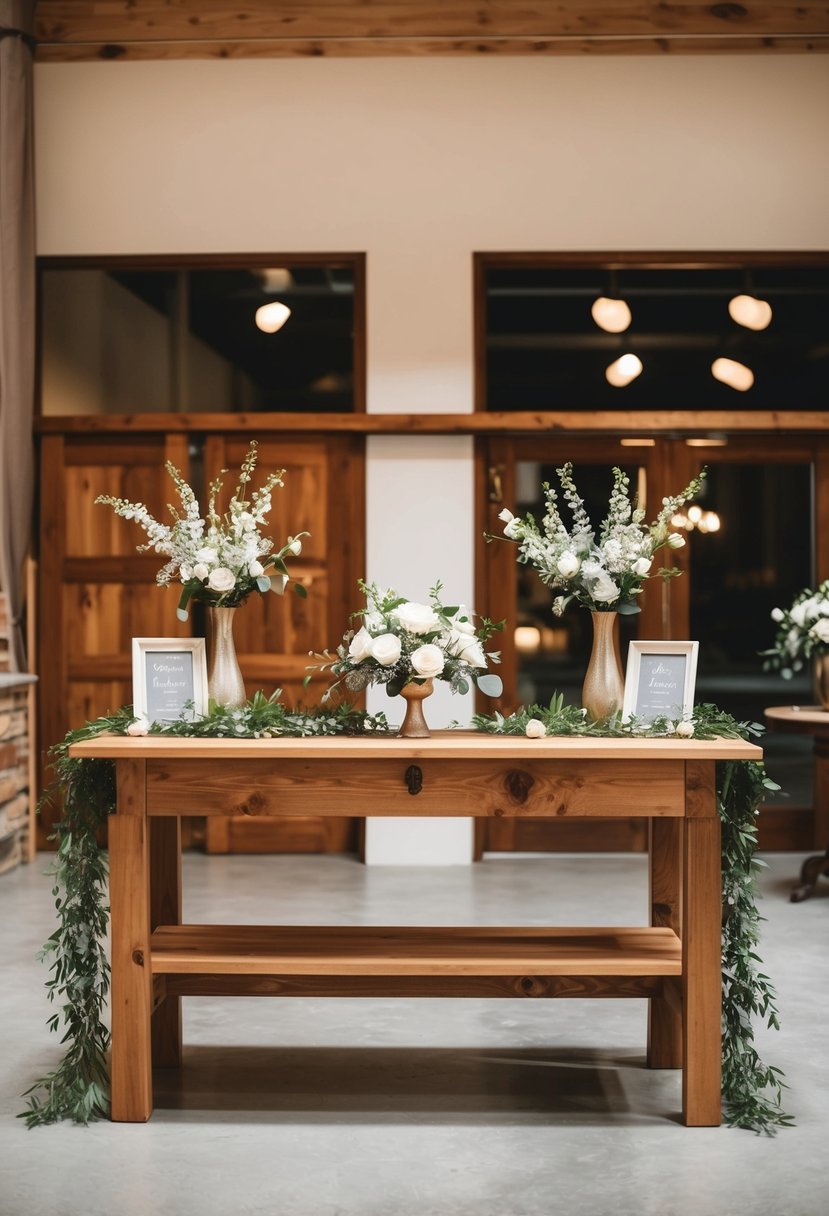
760,557
122,340
647,337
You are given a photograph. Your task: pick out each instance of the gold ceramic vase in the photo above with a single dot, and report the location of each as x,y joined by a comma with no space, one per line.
604,687
414,724
224,679
820,679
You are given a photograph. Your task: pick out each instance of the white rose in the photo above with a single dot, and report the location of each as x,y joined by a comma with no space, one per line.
200,571
359,647
675,541
208,556
685,729
641,566
221,579
295,546
139,727
603,589
417,618
470,650
386,649
428,660
777,614
461,622
568,565
820,630
256,569
535,729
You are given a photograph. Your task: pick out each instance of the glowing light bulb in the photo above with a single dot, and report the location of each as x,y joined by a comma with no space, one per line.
613,316
735,375
271,317
623,370
750,312
695,514
527,639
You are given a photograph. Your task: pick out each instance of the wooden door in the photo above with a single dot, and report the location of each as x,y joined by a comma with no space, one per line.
324,494
95,592
508,471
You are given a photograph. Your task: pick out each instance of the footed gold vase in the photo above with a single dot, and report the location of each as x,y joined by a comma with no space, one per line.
604,686
820,679
414,724
225,685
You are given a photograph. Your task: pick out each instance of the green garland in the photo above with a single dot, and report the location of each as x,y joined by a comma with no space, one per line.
79,975
752,1091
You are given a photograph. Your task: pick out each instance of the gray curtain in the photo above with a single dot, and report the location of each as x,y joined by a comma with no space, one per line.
17,305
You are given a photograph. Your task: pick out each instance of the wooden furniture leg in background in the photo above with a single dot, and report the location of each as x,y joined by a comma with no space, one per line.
665,1012
129,888
165,909
701,952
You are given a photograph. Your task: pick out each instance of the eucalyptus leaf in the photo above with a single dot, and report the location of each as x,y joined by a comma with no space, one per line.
628,609
263,583
490,685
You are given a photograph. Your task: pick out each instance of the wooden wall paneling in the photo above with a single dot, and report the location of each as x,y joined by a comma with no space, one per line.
324,494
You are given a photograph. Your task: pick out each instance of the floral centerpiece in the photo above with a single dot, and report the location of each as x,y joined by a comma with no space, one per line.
219,559
603,570
406,645
803,638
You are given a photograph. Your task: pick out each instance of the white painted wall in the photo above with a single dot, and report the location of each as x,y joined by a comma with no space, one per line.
419,162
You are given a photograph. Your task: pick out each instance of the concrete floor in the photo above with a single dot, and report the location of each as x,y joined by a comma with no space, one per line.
381,1107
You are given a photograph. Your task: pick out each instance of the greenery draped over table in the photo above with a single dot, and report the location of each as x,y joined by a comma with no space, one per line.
79,977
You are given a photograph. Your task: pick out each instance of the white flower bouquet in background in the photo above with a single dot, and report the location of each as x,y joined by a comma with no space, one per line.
223,558
605,570
802,632
400,642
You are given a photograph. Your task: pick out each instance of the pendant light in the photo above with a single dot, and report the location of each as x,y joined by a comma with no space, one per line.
271,317
623,370
611,315
735,375
750,312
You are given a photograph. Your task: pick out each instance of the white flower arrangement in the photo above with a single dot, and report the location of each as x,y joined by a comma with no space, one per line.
220,559
603,572
802,631
399,641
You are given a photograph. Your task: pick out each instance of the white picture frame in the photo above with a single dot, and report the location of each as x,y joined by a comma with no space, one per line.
660,680
166,674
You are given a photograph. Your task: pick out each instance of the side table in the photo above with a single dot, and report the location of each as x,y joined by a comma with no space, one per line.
812,720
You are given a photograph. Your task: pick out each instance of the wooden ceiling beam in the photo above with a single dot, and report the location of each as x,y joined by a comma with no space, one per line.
153,29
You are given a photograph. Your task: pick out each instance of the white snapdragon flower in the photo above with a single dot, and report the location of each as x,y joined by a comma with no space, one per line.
186,573
641,566
386,648
685,730
568,565
221,579
675,540
428,660
207,555
417,618
360,646
256,569
798,614
535,729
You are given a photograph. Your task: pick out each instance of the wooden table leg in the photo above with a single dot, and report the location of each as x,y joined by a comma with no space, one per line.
701,952
165,909
665,863
129,885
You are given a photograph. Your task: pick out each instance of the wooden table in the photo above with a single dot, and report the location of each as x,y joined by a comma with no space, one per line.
814,721
674,961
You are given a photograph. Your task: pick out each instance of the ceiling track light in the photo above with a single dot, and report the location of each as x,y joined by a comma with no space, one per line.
735,375
750,312
271,317
623,370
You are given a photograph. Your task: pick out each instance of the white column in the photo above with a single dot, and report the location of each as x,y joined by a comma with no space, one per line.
420,507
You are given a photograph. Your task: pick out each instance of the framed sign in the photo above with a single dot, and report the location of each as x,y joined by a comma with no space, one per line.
660,680
168,674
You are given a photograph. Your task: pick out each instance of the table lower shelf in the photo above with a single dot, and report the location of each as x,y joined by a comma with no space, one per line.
296,960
